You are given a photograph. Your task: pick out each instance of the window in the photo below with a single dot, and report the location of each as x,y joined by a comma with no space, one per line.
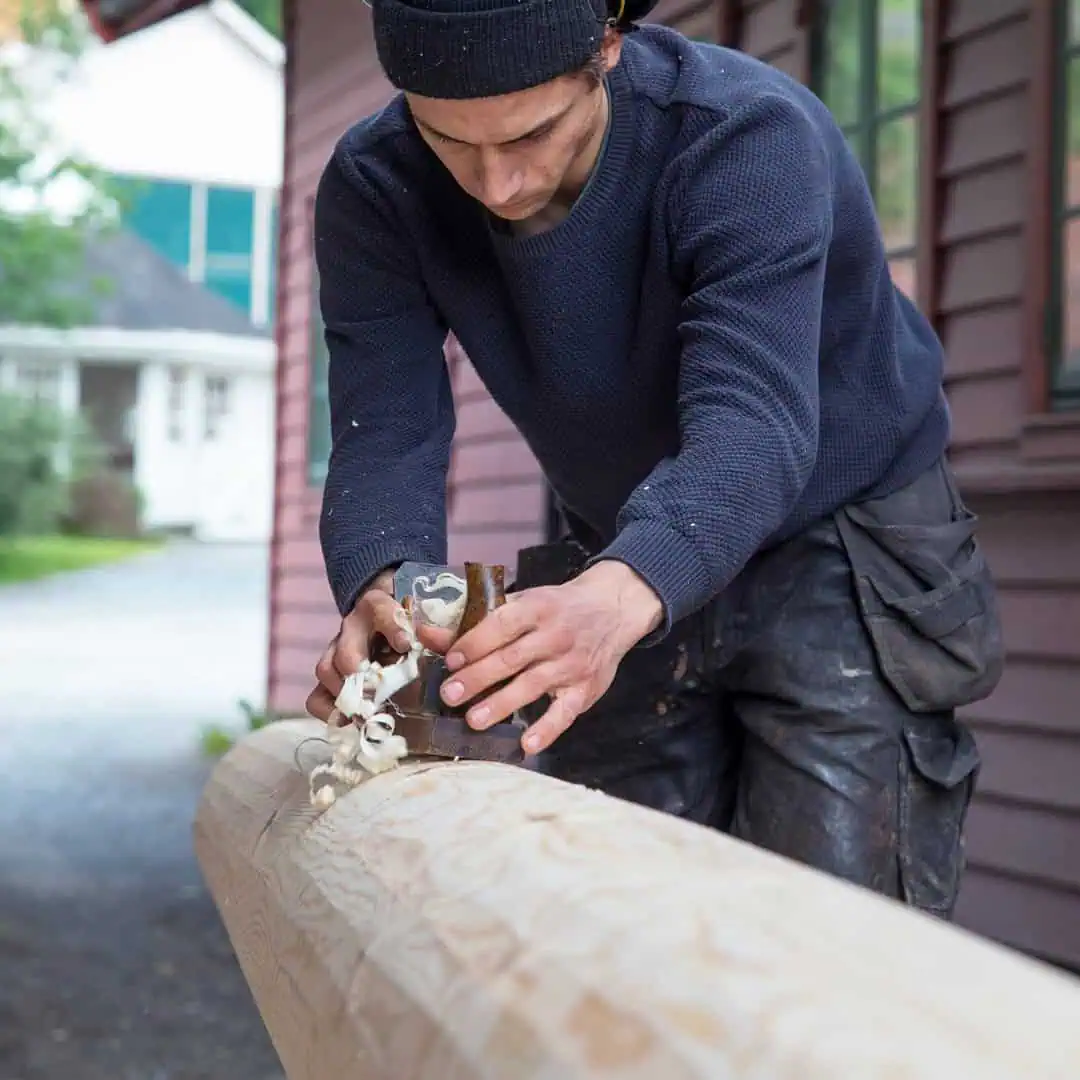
1064,308
209,231
215,405
229,220
867,70
229,237
174,404
160,212
230,277
275,241
319,437
38,382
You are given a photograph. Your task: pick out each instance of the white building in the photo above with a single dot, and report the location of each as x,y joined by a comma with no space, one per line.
176,368
175,381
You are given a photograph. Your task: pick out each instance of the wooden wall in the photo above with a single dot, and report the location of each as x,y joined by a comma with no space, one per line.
983,281
1023,881
331,79
497,498
983,271
992,170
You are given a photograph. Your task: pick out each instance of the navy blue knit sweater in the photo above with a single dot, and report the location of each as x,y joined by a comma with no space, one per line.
705,356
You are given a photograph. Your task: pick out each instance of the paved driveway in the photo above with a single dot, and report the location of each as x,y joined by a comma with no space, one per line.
115,965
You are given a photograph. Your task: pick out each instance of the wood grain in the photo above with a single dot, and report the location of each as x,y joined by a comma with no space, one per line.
471,921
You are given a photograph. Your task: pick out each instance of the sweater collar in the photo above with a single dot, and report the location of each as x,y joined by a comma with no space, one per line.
601,192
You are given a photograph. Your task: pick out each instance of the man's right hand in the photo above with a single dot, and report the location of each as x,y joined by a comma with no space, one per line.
373,614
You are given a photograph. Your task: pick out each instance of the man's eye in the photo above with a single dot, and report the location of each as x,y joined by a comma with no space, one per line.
533,137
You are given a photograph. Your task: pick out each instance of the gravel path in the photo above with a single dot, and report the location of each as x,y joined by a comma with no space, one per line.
115,964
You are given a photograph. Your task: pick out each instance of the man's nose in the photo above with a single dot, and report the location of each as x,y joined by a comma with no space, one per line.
499,179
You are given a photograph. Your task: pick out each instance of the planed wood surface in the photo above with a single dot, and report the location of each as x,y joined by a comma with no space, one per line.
469,921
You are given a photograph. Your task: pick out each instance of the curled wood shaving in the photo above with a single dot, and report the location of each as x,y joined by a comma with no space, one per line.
365,744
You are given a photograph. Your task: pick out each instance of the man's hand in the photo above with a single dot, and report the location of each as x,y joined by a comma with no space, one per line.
373,614
564,640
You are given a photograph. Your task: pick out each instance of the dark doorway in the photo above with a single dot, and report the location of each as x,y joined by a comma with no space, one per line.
107,394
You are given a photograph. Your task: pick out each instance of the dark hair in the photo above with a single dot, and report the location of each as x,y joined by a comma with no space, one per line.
594,69
622,17
624,13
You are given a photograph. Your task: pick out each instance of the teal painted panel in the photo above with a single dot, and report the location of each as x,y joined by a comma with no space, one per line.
320,440
233,285
274,226
159,211
229,221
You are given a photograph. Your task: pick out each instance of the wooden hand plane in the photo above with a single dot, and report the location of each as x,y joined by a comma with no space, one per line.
430,727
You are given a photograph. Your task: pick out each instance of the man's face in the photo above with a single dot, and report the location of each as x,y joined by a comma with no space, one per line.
517,152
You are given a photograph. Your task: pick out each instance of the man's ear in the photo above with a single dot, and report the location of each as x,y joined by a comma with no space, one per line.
611,48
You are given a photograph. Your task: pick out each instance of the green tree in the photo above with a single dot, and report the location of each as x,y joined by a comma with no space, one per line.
267,12
42,454
42,254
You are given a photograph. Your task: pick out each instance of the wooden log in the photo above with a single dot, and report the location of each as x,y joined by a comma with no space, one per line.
472,921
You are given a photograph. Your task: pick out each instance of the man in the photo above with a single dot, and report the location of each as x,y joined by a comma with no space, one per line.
664,263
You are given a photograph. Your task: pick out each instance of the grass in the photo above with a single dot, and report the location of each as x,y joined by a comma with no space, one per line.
216,741
29,558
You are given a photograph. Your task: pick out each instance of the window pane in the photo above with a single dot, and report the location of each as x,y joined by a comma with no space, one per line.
215,405
274,245
858,141
896,181
319,436
229,220
1070,284
176,403
899,45
841,60
38,382
231,285
903,275
160,212
1071,107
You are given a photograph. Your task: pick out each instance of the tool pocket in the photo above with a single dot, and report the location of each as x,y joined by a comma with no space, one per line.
925,593
939,765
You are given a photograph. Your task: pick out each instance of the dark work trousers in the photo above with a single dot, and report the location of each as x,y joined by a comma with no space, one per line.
810,708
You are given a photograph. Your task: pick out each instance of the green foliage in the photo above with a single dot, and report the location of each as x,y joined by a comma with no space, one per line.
31,558
216,741
41,453
41,256
267,12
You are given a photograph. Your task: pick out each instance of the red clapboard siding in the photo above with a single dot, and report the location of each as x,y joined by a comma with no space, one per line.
496,494
982,145
1024,835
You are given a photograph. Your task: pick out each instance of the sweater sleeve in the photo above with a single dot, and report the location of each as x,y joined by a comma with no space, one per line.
750,224
391,409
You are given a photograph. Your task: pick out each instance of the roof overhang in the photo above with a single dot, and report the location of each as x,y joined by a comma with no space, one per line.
114,19
201,349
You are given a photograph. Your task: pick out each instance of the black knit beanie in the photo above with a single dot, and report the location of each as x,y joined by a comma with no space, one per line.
481,48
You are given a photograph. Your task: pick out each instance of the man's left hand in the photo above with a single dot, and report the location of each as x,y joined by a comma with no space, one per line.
563,640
